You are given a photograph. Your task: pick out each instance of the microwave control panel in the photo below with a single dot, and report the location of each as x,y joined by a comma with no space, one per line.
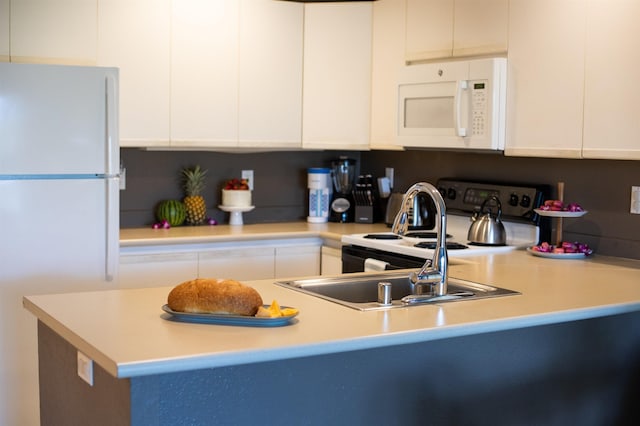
479,99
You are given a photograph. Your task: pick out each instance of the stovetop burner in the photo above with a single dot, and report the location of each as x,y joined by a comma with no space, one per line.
423,234
432,245
382,236
486,245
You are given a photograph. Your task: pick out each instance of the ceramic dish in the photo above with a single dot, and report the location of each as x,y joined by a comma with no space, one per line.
556,213
557,255
228,319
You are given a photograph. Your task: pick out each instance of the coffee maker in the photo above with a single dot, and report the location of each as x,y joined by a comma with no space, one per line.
343,173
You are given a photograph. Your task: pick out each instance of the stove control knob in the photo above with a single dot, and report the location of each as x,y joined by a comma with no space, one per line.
513,200
443,191
451,194
526,201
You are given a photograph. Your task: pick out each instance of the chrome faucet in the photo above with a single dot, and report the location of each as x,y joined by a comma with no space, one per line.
434,272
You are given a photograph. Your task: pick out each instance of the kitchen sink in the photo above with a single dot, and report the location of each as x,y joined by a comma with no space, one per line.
361,291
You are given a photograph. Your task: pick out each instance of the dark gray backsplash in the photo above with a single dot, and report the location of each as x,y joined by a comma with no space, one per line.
601,186
279,191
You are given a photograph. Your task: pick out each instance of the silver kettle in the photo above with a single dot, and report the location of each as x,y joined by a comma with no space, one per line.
486,230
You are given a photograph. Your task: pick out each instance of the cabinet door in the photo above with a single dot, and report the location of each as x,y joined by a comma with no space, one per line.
429,30
337,76
270,92
135,37
157,269
445,28
204,73
54,31
546,78
251,263
5,32
331,261
387,61
611,124
480,27
297,261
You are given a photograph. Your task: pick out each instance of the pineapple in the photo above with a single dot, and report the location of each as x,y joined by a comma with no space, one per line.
193,185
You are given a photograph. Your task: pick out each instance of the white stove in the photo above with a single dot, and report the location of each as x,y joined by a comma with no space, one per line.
518,236
462,198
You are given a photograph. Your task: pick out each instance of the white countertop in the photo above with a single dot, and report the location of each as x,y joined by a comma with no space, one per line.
131,237
125,332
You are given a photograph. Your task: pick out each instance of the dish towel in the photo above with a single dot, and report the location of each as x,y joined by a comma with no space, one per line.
372,265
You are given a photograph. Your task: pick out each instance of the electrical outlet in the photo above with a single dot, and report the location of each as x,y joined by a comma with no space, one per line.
85,368
123,178
635,200
248,175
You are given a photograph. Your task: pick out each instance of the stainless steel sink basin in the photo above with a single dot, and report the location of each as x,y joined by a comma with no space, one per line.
361,291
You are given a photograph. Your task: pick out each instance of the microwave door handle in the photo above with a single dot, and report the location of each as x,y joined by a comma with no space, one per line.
457,110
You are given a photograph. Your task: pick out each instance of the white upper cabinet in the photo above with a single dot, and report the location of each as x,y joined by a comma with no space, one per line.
545,78
204,73
446,28
337,75
270,85
387,61
429,32
54,31
5,32
480,27
135,37
612,67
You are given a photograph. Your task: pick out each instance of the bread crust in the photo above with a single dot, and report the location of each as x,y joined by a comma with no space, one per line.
214,296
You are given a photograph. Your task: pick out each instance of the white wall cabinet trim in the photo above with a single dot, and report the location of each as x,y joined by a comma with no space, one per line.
546,78
388,40
337,76
454,28
135,37
204,73
612,65
270,83
54,31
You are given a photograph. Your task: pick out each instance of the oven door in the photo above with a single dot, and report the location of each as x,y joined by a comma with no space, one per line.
354,259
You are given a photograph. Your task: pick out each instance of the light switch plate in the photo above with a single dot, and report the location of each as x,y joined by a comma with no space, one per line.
248,175
635,200
85,368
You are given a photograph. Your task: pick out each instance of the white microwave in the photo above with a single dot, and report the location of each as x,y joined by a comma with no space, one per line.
453,105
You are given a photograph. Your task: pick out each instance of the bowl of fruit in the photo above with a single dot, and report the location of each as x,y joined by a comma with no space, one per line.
558,208
562,250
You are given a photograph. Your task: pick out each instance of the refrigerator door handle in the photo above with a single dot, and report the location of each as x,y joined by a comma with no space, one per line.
112,205
112,228
112,155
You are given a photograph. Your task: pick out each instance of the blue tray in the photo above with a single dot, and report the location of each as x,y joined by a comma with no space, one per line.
229,319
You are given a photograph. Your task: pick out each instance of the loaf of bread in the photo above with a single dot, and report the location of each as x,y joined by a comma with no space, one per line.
214,296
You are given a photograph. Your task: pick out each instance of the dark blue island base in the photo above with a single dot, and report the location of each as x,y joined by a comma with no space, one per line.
578,373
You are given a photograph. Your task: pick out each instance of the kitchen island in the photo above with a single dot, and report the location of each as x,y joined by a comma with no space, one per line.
565,350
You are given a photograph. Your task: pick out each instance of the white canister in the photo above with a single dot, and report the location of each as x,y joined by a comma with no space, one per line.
319,184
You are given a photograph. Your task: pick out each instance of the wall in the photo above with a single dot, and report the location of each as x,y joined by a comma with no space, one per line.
601,186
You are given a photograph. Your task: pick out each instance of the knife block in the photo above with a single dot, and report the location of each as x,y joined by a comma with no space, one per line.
364,214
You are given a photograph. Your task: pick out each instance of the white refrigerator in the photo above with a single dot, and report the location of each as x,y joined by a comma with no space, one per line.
59,206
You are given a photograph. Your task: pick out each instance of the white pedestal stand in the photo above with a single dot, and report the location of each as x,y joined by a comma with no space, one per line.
235,213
